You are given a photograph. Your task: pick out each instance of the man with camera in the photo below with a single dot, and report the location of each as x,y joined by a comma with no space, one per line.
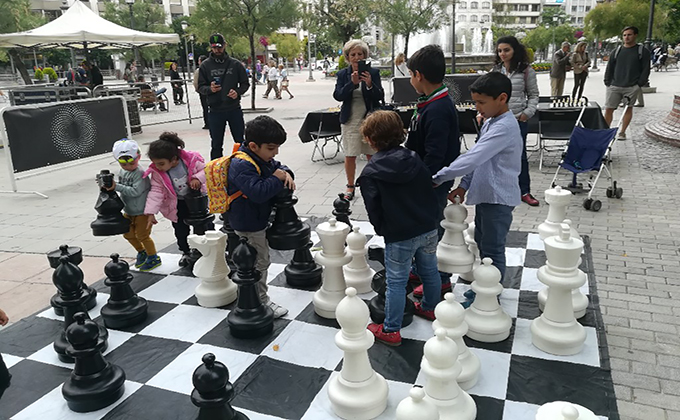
222,80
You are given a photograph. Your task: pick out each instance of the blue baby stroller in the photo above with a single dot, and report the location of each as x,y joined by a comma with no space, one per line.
589,151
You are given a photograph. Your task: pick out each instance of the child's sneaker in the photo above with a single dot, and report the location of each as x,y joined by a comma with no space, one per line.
279,311
429,315
418,291
389,338
151,262
413,278
184,261
141,257
470,294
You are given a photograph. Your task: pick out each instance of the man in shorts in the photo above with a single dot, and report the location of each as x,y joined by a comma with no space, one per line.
627,71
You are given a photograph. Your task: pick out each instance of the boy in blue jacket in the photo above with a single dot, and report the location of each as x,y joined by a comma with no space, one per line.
402,207
249,213
434,134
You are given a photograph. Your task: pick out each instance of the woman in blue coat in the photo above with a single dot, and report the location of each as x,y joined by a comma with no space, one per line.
359,94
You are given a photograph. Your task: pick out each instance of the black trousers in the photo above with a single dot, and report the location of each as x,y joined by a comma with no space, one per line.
4,376
177,93
182,229
579,84
204,105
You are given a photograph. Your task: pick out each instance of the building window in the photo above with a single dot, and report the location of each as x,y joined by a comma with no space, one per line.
462,18
486,5
474,5
473,18
573,9
587,8
462,5
535,7
534,19
581,8
523,7
573,19
580,20
485,18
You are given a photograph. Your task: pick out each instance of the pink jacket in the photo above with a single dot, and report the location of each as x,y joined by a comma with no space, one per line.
162,197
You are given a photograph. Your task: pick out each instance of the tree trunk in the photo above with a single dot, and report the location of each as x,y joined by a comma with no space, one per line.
20,66
253,73
406,37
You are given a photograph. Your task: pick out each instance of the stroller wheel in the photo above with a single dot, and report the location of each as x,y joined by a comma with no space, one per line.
619,192
596,205
587,203
610,192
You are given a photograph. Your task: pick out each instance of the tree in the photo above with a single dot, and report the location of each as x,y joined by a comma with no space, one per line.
287,45
340,19
405,17
249,18
17,16
554,16
608,19
672,22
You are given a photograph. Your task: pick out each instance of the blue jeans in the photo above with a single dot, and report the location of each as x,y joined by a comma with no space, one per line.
524,180
398,258
492,223
217,122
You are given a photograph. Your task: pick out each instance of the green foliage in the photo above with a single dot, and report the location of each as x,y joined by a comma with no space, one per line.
17,16
338,20
319,56
530,53
385,74
406,17
541,66
342,63
608,19
49,71
39,75
541,37
500,31
287,45
671,26
550,13
57,56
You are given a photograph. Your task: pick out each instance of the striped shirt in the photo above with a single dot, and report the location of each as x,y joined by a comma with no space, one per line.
491,167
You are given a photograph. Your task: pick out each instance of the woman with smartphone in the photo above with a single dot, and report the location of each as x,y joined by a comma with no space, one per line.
359,89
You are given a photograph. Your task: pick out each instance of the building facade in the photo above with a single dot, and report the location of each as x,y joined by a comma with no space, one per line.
520,14
52,9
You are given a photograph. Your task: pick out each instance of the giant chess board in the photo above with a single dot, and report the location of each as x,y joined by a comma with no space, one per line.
285,375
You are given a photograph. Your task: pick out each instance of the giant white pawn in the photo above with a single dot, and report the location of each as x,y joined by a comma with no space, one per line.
441,368
558,200
578,299
562,410
358,273
332,257
216,288
472,246
556,330
453,255
451,317
358,392
485,317
416,407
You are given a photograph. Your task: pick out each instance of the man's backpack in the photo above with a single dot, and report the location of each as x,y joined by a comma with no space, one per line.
618,50
216,177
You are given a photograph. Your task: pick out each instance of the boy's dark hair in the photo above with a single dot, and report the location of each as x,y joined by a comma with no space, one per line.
167,146
384,128
632,28
264,129
492,84
520,58
429,61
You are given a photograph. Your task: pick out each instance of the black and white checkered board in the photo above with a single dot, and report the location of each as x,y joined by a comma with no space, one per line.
285,375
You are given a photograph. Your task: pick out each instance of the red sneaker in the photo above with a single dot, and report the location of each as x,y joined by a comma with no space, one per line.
530,200
429,315
389,338
413,278
418,291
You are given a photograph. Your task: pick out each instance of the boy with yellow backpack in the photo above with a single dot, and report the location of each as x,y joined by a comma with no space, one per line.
244,185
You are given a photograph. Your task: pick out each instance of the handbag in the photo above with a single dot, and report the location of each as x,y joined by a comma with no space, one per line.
284,83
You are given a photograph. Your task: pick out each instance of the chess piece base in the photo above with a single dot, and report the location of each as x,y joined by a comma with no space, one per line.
86,394
325,302
376,307
487,327
454,260
89,299
110,225
561,339
125,314
578,300
216,293
470,374
358,401
461,408
304,278
251,323
220,414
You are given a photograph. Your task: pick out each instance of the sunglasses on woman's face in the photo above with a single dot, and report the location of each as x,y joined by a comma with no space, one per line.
126,159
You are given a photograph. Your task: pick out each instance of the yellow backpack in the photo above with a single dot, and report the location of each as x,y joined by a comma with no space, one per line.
216,172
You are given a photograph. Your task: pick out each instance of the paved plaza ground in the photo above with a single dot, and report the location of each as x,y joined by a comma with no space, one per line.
635,240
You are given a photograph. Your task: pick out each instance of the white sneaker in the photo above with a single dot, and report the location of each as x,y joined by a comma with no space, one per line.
279,310
621,136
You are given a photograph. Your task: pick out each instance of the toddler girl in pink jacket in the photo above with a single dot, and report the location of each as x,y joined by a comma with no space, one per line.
173,173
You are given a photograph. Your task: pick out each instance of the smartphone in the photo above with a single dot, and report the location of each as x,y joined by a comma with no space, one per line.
217,80
363,66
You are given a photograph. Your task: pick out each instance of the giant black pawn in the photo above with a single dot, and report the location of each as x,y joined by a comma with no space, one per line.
213,392
199,218
376,305
232,241
110,221
287,232
341,209
94,383
251,318
68,277
124,308
303,271
75,255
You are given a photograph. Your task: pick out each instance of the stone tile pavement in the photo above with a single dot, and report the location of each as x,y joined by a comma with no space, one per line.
635,240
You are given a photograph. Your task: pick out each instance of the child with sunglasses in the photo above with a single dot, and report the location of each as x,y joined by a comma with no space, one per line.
133,189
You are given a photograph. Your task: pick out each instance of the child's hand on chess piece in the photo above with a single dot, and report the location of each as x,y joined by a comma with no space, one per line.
458,192
151,221
4,319
112,187
523,117
195,184
285,177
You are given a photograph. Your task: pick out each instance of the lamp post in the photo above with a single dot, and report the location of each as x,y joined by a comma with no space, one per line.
310,39
555,18
453,37
130,3
648,41
185,25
